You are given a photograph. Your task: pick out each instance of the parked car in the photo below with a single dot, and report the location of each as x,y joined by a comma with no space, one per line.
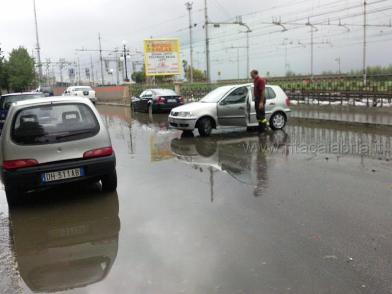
7,100
81,91
47,91
230,106
52,141
158,100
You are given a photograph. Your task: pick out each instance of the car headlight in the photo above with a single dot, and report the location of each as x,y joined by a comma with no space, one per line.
185,114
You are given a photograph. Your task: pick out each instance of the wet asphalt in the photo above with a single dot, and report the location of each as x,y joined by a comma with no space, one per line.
308,210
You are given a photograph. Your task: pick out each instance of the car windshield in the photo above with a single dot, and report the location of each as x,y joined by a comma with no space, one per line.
49,124
216,95
165,92
7,100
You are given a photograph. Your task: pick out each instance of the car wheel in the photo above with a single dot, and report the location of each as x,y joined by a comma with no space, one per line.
13,195
109,182
205,127
278,121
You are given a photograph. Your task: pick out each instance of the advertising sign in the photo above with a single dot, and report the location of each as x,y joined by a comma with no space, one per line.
162,57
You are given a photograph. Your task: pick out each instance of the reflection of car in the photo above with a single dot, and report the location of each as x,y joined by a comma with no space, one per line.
158,100
65,246
230,106
8,99
81,91
52,141
241,156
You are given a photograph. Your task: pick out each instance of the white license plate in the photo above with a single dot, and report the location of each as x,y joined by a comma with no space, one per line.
62,175
171,100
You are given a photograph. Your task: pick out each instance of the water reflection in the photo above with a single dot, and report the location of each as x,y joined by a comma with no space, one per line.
241,155
68,244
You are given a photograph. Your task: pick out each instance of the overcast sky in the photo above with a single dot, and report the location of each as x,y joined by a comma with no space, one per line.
67,25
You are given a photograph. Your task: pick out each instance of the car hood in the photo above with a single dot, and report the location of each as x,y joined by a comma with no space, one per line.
194,107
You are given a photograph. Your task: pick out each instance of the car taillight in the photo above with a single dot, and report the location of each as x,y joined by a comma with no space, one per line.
19,163
161,100
101,152
287,101
181,100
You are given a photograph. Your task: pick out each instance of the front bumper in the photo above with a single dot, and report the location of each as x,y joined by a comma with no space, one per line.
186,124
30,178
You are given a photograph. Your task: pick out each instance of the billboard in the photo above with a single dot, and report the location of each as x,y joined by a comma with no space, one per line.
162,57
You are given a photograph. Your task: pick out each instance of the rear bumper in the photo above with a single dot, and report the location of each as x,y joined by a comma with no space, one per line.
164,107
30,178
182,123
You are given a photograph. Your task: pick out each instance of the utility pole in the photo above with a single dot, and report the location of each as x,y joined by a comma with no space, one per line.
247,52
101,59
339,60
92,70
79,76
38,46
208,65
364,42
311,52
189,7
125,62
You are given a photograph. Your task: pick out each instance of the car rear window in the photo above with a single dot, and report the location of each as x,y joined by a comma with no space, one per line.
49,124
165,92
6,101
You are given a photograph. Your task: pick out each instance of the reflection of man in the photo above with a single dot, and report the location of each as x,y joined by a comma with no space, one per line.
261,167
259,89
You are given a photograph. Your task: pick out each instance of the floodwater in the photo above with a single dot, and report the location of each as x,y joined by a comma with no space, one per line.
308,210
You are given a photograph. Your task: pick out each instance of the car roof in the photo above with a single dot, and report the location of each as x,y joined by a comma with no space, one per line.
55,99
21,93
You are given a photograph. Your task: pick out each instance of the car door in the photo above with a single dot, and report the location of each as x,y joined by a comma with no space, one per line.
232,108
270,97
145,98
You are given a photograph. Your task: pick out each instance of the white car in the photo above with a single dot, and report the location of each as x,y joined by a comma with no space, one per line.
81,91
231,106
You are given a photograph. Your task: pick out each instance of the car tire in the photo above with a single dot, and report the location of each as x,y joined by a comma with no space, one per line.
13,195
109,182
205,126
278,121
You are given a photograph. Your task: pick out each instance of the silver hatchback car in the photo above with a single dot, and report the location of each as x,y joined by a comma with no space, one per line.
54,141
231,106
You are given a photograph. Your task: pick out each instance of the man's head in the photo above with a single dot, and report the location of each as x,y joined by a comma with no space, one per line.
254,74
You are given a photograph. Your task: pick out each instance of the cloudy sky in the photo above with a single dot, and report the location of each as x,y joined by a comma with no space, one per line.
68,25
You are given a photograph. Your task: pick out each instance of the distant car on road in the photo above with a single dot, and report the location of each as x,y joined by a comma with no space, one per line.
81,91
47,91
7,100
53,141
158,100
231,106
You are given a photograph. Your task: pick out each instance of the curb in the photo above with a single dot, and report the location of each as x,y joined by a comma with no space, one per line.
341,123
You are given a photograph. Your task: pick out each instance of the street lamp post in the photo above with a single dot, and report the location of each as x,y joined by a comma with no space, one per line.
188,6
38,46
125,62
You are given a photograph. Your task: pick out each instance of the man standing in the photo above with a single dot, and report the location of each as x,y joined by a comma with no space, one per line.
259,88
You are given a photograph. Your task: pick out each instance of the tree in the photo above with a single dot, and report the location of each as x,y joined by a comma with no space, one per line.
198,75
21,72
3,73
139,77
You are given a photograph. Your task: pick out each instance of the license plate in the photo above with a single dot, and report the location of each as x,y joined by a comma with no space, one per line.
171,100
62,175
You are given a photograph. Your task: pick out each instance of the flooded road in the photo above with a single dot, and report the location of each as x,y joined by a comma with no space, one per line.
308,210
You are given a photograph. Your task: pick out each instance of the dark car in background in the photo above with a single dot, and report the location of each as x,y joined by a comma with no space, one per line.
7,100
158,100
